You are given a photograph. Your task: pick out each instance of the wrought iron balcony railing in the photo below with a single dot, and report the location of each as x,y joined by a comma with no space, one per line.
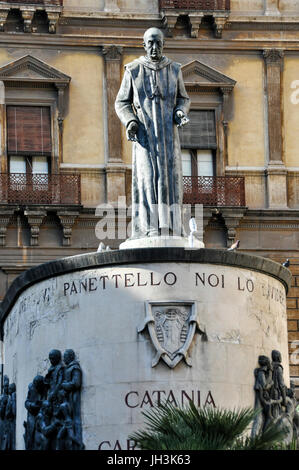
34,2
20,188
203,5
214,191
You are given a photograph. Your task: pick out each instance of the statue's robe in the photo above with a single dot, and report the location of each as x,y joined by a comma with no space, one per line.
150,94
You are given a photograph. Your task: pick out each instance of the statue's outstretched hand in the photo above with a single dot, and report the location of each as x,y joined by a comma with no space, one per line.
180,118
132,130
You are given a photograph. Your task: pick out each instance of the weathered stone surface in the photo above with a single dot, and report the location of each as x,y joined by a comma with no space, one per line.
96,303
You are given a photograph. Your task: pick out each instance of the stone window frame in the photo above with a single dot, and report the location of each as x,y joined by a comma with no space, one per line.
30,82
209,89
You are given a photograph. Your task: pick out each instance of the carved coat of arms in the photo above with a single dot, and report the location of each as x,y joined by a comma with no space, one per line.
171,326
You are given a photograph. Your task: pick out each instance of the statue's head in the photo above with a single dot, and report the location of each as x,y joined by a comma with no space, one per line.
55,357
5,384
276,356
38,382
264,361
153,42
69,356
12,388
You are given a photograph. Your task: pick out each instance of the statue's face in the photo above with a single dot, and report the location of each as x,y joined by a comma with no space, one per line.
153,44
55,357
68,356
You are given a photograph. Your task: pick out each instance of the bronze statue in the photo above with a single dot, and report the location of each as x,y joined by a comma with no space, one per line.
54,377
262,387
33,403
54,406
72,385
152,103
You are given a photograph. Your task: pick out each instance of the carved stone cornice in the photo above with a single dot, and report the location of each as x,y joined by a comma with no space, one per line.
273,57
112,52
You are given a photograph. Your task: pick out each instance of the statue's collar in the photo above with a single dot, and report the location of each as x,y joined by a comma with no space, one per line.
154,65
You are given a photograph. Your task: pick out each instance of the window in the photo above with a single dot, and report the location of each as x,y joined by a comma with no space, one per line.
29,146
198,142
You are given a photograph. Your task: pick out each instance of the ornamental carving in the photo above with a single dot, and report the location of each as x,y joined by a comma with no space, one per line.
171,326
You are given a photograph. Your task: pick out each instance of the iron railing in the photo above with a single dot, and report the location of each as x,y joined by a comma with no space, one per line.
21,188
203,5
214,190
34,2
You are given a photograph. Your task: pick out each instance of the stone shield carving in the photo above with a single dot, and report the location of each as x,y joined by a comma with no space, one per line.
171,326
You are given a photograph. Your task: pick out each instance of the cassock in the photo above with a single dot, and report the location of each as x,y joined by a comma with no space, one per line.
150,94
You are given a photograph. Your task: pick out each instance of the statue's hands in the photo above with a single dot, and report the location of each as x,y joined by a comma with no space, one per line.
180,118
132,130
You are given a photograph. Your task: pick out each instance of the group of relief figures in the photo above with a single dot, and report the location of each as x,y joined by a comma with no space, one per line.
8,416
278,403
54,406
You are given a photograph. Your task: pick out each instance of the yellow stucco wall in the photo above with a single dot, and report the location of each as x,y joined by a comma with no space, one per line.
291,111
83,126
246,145
127,146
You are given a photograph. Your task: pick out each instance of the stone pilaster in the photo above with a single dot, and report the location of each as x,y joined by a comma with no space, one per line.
276,172
67,219
272,7
5,217
115,170
35,219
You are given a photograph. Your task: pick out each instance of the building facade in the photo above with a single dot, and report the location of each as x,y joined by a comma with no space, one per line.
64,152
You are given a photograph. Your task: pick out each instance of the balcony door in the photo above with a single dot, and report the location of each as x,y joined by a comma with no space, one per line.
198,142
29,151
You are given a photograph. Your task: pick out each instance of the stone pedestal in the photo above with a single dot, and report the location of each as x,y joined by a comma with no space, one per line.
147,325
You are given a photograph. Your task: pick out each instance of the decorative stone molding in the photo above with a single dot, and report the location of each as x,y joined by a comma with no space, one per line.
219,25
28,10
272,8
5,217
112,52
53,18
232,220
67,219
170,18
274,57
3,17
35,219
27,15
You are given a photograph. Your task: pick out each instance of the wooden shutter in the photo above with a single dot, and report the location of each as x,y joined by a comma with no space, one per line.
29,130
200,133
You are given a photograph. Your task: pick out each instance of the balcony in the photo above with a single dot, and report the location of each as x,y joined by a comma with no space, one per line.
202,5
34,2
40,189
214,191
195,11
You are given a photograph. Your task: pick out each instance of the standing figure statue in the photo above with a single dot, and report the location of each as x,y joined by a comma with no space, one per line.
3,403
35,397
278,391
262,388
54,377
72,385
10,418
152,103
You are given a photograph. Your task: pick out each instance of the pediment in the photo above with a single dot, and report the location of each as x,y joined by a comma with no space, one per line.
196,73
29,68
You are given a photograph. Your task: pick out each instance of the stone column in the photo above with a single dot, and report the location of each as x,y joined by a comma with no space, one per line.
276,172
115,169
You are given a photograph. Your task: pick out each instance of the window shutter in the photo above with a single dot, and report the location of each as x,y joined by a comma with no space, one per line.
29,130
200,133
